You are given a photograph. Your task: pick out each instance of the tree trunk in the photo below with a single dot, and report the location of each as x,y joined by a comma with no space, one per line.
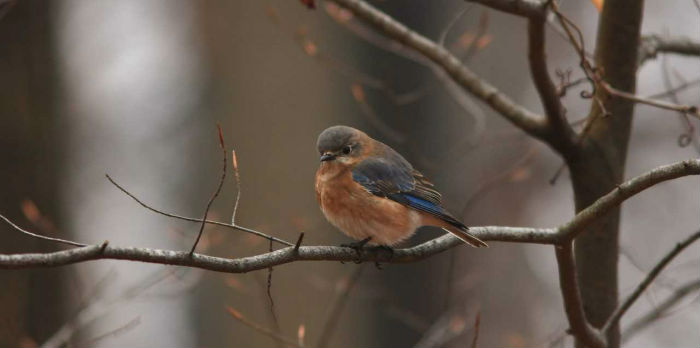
601,165
31,301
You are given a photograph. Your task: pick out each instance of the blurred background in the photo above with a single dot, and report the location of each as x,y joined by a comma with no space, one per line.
135,89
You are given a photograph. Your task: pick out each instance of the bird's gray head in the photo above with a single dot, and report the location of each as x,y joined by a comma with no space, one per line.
340,143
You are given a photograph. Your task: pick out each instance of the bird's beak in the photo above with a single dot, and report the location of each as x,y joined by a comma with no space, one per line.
327,157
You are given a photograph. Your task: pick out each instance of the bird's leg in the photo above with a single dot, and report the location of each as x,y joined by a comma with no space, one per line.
357,246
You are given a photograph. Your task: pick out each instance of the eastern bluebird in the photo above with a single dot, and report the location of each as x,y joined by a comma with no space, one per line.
371,193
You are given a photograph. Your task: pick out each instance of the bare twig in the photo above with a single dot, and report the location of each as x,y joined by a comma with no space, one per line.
451,24
216,192
622,309
191,219
337,308
690,110
559,235
273,313
130,325
661,309
298,243
477,324
31,234
238,187
259,328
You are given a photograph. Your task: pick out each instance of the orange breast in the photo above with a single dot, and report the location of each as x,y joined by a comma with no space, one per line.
360,214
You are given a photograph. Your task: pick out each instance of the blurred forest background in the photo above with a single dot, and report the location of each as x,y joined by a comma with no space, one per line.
135,88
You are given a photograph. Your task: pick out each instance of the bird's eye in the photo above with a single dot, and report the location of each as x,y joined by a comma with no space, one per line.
346,150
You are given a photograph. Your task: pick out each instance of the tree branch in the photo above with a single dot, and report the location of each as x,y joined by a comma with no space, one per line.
660,310
521,117
622,309
571,295
624,191
559,133
560,235
651,45
524,8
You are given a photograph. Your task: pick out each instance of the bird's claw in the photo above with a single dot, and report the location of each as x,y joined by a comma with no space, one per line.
357,246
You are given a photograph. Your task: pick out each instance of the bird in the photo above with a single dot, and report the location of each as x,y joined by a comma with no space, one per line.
374,195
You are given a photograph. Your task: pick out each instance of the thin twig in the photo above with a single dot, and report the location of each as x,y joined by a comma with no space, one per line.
661,309
691,110
298,243
452,23
216,192
191,219
238,187
273,313
622,309
477,323
133,323
31,234
259,328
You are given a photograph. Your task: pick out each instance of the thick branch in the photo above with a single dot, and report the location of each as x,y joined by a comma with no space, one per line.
560,134
571,295
526,120
651,45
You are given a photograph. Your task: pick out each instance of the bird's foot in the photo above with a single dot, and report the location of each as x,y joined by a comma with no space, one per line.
357,246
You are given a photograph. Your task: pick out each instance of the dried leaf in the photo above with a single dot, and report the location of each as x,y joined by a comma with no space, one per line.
598,4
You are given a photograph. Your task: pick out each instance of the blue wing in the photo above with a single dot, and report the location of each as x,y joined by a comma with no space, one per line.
392,177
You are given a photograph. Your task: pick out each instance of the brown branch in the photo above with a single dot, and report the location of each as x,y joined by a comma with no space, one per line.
622,309
560,235
216,192
651,45
191,219
515,113
560,134
573,304
690,110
